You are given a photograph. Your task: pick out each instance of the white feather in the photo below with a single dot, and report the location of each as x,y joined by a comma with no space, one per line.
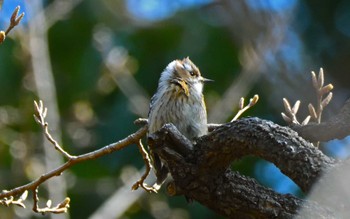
168,72
198,87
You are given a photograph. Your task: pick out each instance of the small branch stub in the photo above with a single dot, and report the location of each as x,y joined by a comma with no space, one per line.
242,108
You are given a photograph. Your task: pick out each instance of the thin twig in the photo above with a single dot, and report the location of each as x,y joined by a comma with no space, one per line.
147,160
58,209
6,197
290,114
39,116
14,21
243,108
12,201
54,142
321,90
131,139
42,71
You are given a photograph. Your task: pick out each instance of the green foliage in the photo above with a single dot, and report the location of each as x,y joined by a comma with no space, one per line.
92,117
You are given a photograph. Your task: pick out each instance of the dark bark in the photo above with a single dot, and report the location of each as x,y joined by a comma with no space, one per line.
294,156
201,171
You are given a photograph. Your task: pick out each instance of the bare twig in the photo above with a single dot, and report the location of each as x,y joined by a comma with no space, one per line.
14,21
314,113
58,209
321,90
39,116
11,200
290,114
131,139
38,48
243,108
147,160
6,197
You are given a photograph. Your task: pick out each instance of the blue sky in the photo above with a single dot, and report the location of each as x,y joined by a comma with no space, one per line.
272,5
154,10
7,10
268,174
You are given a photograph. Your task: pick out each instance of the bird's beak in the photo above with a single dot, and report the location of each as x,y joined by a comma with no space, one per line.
207,80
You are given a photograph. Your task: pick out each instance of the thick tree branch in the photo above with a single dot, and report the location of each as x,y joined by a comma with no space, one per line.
295,157
203,174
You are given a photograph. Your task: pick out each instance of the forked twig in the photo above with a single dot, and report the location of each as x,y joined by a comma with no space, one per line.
242,108
7,197
290,114
39,116
314,113
147,160
7,201
14,21
321,90
62,207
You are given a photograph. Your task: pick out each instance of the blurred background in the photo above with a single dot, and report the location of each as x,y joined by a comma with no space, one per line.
95,64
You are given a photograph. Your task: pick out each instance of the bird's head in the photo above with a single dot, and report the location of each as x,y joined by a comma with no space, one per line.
184,70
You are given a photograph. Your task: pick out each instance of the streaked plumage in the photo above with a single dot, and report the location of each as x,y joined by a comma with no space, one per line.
178,100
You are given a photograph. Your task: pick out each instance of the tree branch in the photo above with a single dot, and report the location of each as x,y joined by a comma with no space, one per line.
32,186
131,139
295,157
201,169
203,173
337,127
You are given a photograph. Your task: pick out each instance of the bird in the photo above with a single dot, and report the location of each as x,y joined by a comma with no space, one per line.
178,100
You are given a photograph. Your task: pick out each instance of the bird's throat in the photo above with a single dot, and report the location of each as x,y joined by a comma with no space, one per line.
182,85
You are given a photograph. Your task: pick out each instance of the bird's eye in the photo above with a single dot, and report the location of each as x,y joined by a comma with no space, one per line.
192,73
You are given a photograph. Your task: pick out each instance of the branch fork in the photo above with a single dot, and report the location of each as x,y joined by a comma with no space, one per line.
40,113
14,21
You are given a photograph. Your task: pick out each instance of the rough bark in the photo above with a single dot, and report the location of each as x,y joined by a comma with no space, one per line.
201,170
